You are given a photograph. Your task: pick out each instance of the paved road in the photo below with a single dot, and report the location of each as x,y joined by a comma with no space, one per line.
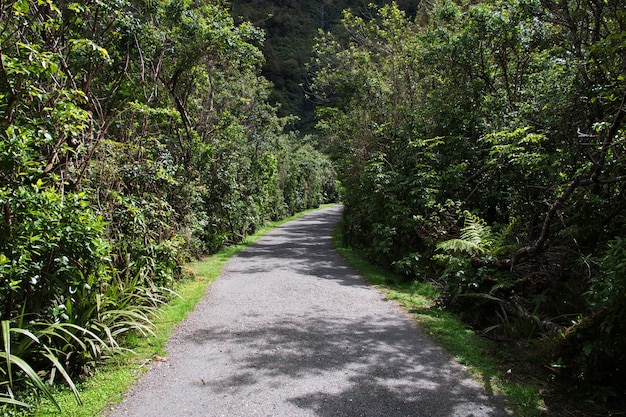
289,330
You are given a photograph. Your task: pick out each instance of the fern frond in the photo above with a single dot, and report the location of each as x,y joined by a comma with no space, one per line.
478,238
475,230
500,237
461,245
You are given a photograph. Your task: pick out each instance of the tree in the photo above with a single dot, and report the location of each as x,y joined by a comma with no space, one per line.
133,136
511,111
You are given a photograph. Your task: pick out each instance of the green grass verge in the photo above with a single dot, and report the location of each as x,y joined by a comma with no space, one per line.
112,379
479,355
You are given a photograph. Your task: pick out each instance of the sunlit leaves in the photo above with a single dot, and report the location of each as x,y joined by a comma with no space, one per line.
90,49
521,148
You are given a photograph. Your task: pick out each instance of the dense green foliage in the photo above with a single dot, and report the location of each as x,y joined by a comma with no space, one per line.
481,144
290,27
134,135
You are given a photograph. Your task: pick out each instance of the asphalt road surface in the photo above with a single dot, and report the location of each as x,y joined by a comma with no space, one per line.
290,330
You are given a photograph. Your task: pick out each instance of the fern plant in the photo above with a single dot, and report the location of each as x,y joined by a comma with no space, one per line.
477,238
469,260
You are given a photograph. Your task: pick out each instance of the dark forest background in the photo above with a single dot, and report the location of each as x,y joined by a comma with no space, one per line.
290,28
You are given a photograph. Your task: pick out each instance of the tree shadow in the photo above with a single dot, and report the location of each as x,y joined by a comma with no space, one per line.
305,248
335,360
381,366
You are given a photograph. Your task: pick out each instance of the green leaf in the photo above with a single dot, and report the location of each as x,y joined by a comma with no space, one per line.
8,400
52,358
32,376
21,7
6,337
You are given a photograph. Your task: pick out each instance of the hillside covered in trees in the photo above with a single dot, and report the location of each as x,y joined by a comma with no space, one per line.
290,28
480,145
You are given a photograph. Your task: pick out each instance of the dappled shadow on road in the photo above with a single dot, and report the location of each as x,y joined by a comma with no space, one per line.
381,367
305,248
332,361
290,330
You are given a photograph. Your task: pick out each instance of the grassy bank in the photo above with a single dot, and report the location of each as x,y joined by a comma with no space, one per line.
116,375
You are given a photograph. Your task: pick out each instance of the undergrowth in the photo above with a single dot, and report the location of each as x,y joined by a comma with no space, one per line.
113,377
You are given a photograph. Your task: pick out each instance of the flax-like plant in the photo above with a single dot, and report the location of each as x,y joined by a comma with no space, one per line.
35,353
129,304
17,375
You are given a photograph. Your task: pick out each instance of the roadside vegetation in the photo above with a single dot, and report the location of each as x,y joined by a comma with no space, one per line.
112,379
134,136
481,147
503,369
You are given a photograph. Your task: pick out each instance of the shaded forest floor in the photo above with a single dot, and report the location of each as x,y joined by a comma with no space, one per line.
559,395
